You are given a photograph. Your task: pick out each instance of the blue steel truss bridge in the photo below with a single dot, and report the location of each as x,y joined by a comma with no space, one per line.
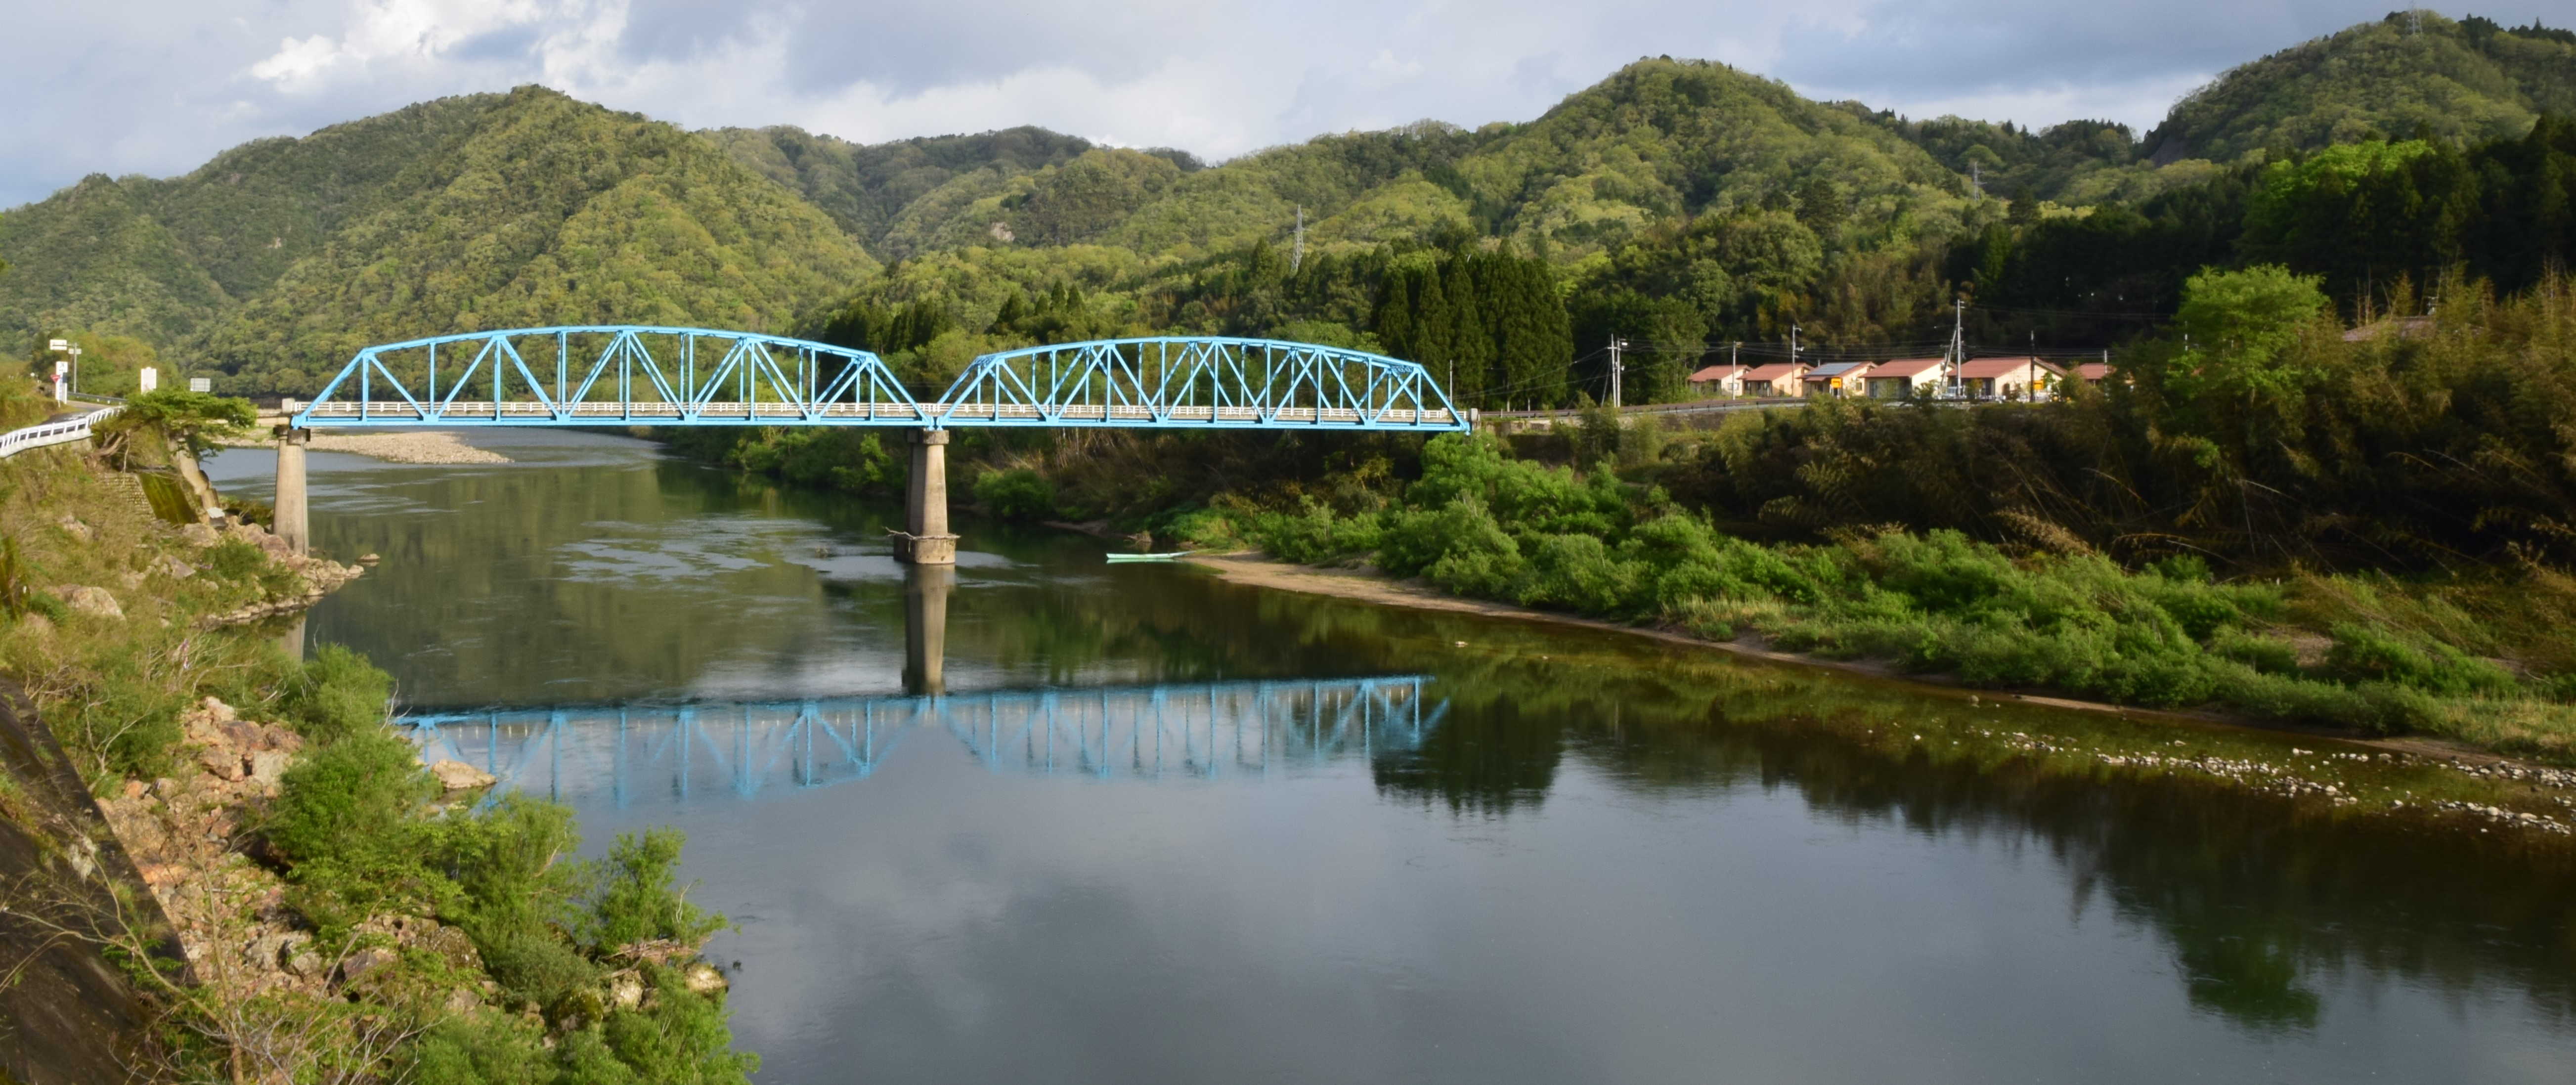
592,375
1168,732
624,375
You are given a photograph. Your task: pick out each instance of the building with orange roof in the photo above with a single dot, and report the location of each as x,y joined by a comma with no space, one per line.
1906,377
1724,379
2008,378
1775,379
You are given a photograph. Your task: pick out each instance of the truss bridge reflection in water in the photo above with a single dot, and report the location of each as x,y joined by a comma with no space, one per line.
1182,731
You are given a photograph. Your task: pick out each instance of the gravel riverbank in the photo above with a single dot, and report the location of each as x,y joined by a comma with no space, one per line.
430,446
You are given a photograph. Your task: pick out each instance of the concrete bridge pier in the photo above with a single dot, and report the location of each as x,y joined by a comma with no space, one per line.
291,521
925,628
925,539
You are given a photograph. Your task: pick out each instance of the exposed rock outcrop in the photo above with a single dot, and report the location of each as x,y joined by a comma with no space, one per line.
189,835
97,602
456,775
318,576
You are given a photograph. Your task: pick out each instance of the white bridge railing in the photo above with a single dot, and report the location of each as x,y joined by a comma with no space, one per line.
44,434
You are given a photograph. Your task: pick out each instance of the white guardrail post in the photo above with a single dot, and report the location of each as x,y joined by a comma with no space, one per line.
44,434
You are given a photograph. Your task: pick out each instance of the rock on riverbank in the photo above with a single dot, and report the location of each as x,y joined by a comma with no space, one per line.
319,576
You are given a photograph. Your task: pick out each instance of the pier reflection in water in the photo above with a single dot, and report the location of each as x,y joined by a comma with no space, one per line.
925,627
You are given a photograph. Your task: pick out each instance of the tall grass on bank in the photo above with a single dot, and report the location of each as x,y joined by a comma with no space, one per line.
1481,523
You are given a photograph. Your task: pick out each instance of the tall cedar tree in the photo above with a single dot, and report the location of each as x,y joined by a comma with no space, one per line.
1490,324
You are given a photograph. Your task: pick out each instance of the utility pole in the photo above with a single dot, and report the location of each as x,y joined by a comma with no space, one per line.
1735,369
1616,370
1958,353
1976,182
1297,254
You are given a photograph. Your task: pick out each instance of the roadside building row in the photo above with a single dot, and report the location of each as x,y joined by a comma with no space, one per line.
2004,378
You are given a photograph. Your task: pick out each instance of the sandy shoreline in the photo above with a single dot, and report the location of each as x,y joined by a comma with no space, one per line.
426,446
1369,587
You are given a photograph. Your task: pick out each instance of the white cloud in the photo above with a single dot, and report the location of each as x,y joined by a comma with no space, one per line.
561,39
158,86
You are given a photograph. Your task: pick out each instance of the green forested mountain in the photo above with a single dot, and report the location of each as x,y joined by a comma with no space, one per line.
2407,74
551,211
1678,203
868,188
2467,80
162,259
93,257
278,258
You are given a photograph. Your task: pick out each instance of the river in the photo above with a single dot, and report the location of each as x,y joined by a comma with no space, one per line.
1157,827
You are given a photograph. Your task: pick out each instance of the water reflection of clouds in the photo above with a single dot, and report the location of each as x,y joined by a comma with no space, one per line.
851,565
623,551
683,549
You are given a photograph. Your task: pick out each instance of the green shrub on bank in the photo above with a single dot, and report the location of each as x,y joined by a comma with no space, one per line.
1479,523
633,898
2364,654
1313,534
338,694
854,461
1019,493
348,823
675,1036
358,830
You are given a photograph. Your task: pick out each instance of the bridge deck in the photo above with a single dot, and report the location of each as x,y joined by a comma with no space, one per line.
948,414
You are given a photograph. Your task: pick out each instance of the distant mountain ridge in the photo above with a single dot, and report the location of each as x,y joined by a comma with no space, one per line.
279,257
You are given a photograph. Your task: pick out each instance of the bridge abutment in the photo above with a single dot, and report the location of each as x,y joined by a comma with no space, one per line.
926,539
291,520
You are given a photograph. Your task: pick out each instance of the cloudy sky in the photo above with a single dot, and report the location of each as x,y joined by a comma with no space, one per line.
158,86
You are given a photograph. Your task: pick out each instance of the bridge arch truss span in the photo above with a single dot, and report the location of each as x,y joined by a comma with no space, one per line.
604,374
1202,382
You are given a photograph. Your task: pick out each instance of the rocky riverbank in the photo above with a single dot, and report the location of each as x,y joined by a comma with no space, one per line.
191,836
314,576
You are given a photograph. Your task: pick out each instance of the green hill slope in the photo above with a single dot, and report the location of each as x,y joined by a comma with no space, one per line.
252,212
2466,80
280,257
868,188
92,257
552,211
163,259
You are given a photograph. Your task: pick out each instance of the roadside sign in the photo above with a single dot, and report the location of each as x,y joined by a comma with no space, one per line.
61,368
201,384
59,344
149,380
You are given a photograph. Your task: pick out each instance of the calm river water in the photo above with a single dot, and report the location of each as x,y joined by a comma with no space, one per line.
1161,828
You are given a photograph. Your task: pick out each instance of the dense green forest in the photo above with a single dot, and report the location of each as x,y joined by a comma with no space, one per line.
1679,203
